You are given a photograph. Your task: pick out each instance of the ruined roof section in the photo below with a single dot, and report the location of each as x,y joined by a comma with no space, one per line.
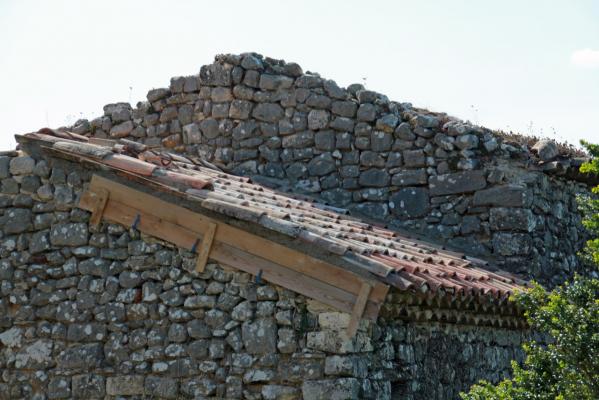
500,197
401,261
162,121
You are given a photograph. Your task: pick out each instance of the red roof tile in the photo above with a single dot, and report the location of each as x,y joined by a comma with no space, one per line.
397,259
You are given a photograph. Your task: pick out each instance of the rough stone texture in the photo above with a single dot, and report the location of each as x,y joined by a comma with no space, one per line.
546,149
504,196
109,314
410,202
127,316
254,115
457,183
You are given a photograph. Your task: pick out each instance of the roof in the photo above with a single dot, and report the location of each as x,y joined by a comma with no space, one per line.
399,260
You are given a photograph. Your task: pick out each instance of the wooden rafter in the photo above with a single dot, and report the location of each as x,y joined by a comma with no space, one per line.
358,309
205,248
100,197
240,249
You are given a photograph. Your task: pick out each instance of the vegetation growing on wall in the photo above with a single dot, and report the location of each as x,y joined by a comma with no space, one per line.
568,368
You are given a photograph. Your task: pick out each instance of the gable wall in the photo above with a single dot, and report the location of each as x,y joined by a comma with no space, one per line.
89,314
428,173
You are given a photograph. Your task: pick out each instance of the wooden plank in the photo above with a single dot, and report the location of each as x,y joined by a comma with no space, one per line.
271,272
101,197
241,239
226,254
205,248
358,309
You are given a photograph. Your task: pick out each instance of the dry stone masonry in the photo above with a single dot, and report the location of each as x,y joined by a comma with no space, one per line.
109,313
415,170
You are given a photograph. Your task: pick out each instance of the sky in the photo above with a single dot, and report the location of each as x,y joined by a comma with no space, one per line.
530,67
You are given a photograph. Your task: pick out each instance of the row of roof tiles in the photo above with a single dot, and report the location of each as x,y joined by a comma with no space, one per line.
400,260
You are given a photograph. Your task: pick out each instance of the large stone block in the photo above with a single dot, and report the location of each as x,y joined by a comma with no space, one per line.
22,165
503,196
17,220
458,182
299,369
69,234
511,219
275,82
410,202
89,386
59,388
260,336
410,177
353,366
374,177
371,209
511,244
11,337
318,119
299,140
162,388
277,392
4,166
325,140
336,321
240,109
546,149
125,385
37,355
215,75
338,342
122,130
268,112
414,158
380,141
209,128
331,389
81,357
321,165
192,134
337,197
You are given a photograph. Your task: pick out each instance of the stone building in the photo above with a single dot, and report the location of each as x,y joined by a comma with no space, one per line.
254,232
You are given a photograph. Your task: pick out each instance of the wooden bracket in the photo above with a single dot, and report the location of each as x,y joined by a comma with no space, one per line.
237,248
205,247
358,310
101,198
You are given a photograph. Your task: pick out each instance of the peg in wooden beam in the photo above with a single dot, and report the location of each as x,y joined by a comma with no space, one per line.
205,247
100,200
358,309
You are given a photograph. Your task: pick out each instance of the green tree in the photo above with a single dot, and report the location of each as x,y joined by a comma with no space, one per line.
568,367
590,206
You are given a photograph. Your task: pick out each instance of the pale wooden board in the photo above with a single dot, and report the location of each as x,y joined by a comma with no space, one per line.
205,248
228,255
238,238
101,198
358,309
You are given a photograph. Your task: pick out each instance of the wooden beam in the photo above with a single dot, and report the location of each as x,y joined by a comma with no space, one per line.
238,238
101,198
283,266
336,297
205,248
358,309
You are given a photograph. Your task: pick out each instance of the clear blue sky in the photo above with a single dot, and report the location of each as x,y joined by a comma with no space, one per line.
527,66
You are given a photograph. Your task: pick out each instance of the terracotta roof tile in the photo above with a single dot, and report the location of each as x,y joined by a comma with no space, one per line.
404,262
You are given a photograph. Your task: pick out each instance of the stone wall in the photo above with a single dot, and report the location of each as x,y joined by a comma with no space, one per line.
437,362
415,170
109,313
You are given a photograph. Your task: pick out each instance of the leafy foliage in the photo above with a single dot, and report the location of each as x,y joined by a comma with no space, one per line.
590,206
568,367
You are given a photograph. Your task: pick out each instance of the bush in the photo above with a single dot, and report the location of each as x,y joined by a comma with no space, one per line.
568,367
